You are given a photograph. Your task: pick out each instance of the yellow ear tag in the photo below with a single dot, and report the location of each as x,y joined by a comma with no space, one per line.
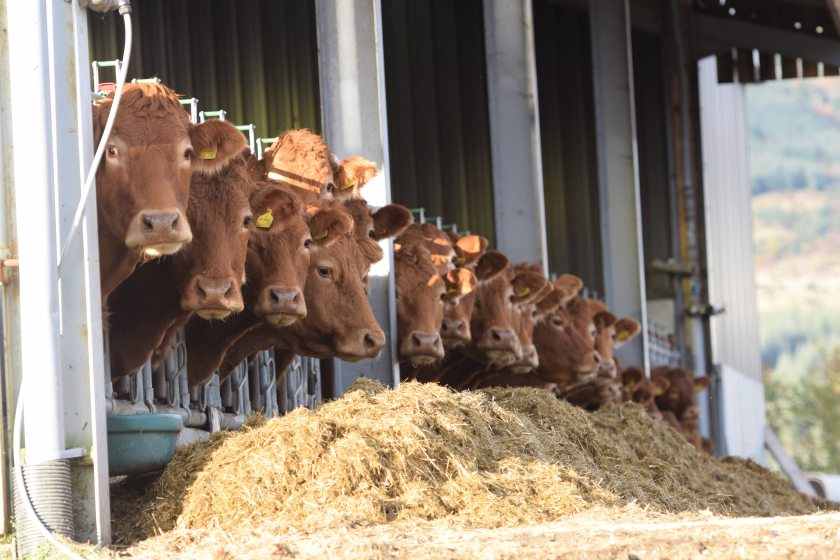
321,235
265,220
460,261
523,292
698,388
208,154
658,391
350,186
451,291
630,384
622,336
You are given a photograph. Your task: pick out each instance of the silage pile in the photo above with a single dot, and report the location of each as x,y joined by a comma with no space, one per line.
488,458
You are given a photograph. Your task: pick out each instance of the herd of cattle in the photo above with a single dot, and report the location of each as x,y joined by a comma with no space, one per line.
244,254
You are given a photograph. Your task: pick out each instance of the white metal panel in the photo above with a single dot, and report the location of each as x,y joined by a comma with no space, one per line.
618,170
728,214
352,74
743,414
514,130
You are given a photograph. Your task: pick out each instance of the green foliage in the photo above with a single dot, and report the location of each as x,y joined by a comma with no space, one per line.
806,414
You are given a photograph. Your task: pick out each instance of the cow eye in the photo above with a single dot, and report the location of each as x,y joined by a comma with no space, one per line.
324,271
188,154
371,234
307,244
557,322
247,221
330,188
113,151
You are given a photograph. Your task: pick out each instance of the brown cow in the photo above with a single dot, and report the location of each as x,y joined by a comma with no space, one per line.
303,159
421,291
592,319
339,322
680,398
276,265
566,355
592,395
204,279
643,390
143,181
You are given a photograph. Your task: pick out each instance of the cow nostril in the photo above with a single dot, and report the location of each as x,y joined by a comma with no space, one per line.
147,221
275,298
200,290
496,336
416,339
229,291
597,357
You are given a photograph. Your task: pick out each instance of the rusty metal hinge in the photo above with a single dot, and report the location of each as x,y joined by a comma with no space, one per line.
4,264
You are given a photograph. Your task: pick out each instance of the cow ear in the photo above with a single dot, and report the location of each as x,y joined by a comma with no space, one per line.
700,383
660,384
215,143
625,329
273,205
353,173
528,287
604,320
329,225
490,265
469,248
460,282
570,283
391,221
554,299
630,377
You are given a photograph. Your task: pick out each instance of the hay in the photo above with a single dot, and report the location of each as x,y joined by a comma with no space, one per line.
490,458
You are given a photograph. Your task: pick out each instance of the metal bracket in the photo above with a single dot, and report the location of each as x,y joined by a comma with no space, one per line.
4,264
705,310
671,267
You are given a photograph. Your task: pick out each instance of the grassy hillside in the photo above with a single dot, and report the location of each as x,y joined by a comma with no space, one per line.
795,172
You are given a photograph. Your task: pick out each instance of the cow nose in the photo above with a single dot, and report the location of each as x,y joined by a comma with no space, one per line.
499,338
423,344
160,222
374,341
212,298
452,327
286,301
606,368
211,290
530,357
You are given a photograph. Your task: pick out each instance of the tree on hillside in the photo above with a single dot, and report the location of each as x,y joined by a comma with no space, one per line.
807,415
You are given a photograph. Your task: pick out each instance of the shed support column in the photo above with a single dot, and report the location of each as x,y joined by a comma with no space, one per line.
351,70
618,178
514,130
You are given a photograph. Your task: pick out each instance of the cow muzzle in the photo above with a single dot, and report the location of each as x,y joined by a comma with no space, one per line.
500,346
422,348
212,298
155,233
368,343
454,332
281,306
529,362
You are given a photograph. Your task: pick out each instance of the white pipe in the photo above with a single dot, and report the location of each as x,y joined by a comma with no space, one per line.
36,229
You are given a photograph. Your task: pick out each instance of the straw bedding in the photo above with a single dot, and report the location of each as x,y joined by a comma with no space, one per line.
492,458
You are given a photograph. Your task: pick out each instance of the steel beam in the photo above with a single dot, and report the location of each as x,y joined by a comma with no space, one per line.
618,170
354,120
714,33
514,130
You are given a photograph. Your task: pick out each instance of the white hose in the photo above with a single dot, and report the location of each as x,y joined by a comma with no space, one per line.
97,157
74,228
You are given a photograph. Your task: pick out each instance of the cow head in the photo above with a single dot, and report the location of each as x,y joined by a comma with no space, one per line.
420,292
339,322
278,255
566,355
642,389
143,181
594,394
302,159
680,397
351,175
211,269
370,226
